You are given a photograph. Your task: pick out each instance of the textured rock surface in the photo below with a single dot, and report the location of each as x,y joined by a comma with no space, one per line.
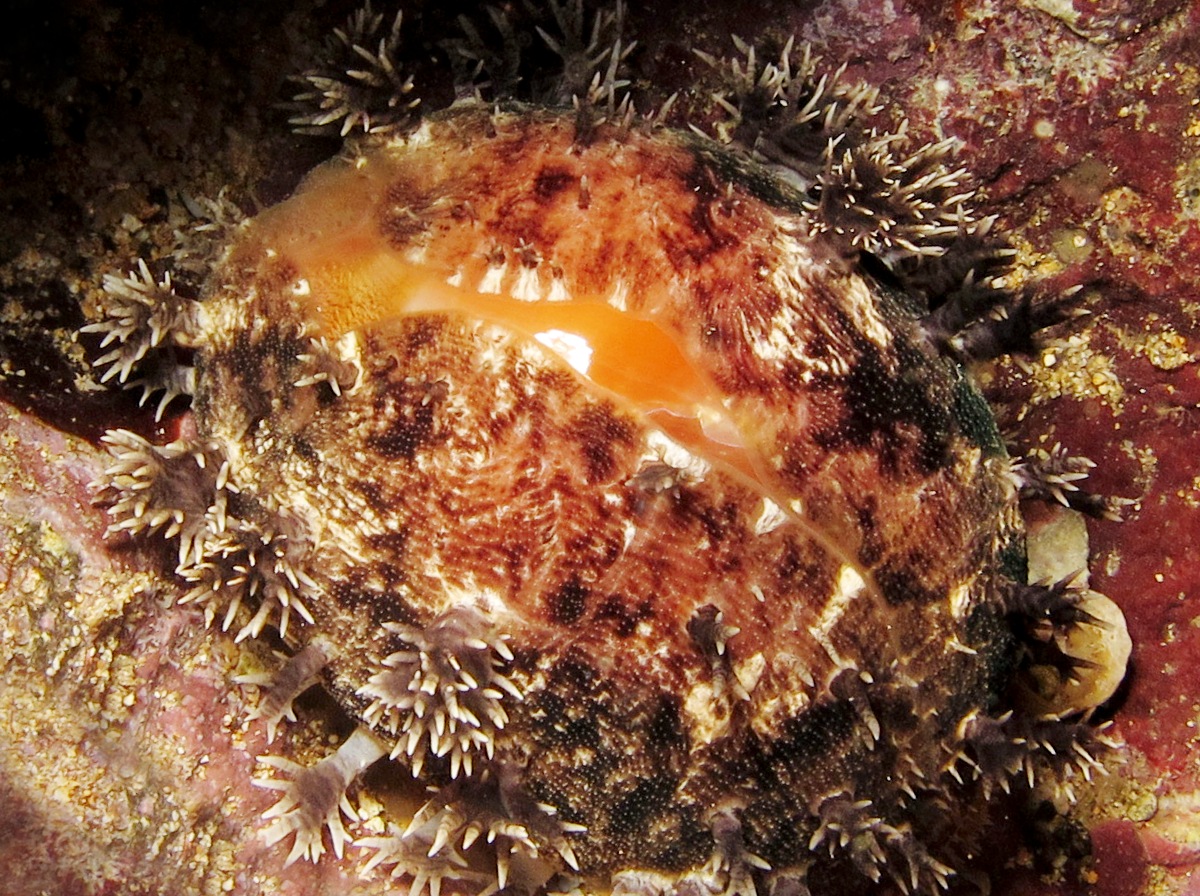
1084,127
123,760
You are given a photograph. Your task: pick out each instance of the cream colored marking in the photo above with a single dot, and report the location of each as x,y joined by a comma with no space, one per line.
750,671
864,312
803,671
558,291
619,298
791,702
956,645
493,280
778,344
663,447
717,425
492,356
850,585
708,723
528,287
631,531
571,347
770,518
960,601
422,136
838,363
349,351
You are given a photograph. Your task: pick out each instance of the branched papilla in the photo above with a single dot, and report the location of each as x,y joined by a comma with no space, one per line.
850,687
338,365
358,83
1011,747
708,631
147,326
783,110
444,691
911,867
450,830
182,491
589,55
314,799
983,318
164,377
1071,749
606,100
905,204
244,562
731,868
1046,610
1047,617
279,690
144,324
591,58
893,202
849,826
852,829
989,750
751,94
486,65
205,236
417,856
177,490
964,281
467,812
1055,474
1046,666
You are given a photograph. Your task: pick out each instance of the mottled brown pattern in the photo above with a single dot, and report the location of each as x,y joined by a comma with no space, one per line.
599,590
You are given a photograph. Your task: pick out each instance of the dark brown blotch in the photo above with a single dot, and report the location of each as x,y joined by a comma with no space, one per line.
890,403
552,181
567,603
900,583
407,213
624,613
405,418
599,433
649,799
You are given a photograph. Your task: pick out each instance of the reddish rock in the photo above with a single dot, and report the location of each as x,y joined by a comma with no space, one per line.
1121,862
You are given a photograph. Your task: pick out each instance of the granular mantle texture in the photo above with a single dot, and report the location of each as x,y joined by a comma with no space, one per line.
591,469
